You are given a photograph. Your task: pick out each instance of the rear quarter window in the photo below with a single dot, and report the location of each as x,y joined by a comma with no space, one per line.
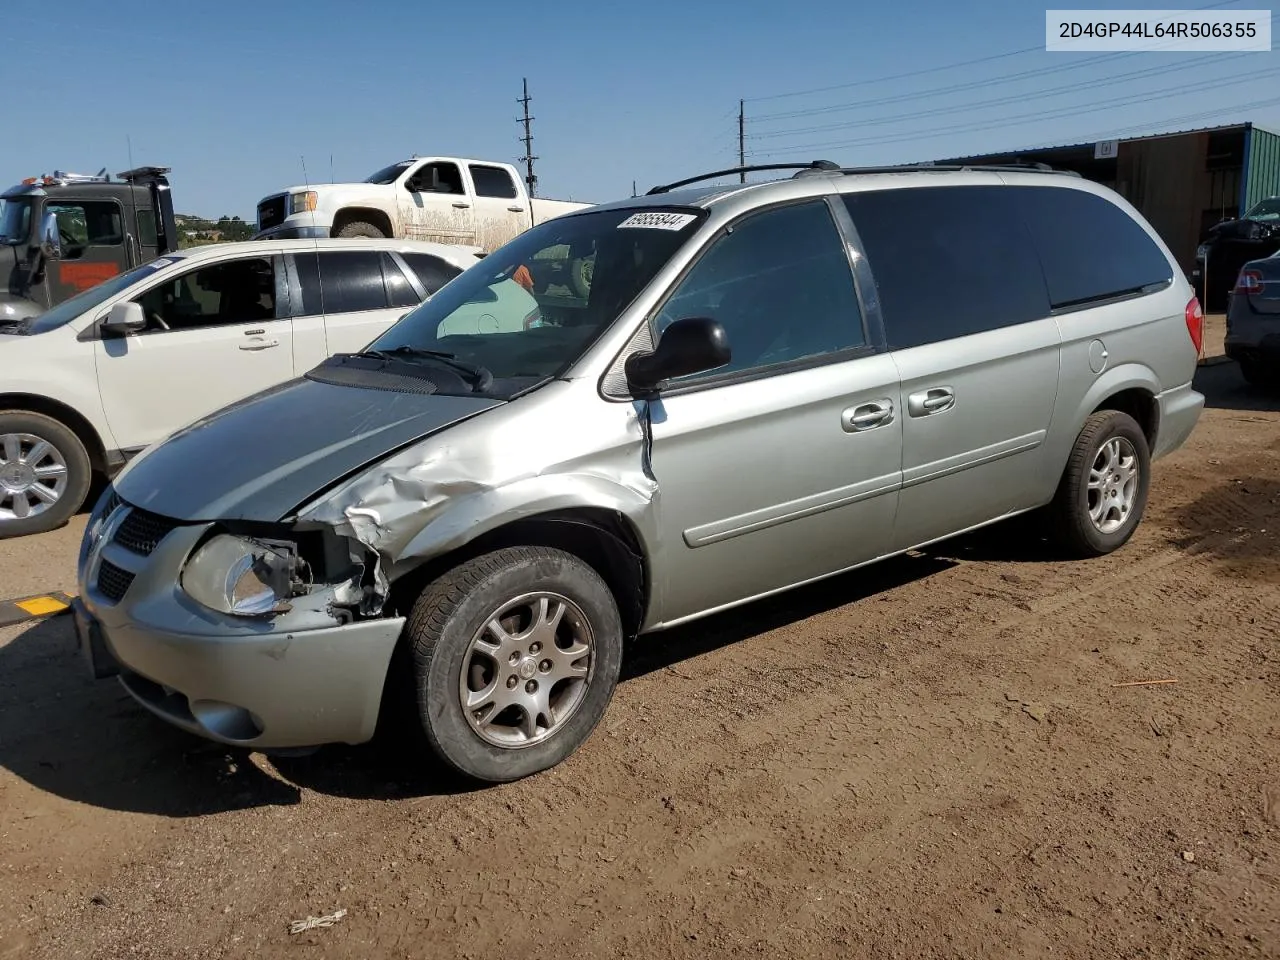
948,262
1091,250
434,272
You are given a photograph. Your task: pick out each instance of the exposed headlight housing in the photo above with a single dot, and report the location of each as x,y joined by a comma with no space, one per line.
245,578
303,202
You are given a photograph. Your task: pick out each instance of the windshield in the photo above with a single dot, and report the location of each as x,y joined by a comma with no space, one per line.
15,221
530,309
392,173
1266,210
70,309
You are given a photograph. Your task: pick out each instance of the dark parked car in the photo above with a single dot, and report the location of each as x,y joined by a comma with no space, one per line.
1229,245
1253,321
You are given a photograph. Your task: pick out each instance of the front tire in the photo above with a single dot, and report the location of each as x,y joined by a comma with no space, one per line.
1103,491
359,228
44,473
516,654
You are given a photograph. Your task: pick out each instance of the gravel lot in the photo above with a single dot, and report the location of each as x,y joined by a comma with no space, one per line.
926,758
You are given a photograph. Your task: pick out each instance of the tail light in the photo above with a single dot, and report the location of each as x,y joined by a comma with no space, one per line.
1195,323
1249,281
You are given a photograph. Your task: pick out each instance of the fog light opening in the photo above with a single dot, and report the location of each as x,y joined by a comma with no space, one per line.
226,720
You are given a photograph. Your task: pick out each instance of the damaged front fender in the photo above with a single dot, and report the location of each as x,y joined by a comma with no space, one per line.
508,465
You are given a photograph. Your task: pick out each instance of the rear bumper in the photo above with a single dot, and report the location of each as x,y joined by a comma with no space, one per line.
1180,410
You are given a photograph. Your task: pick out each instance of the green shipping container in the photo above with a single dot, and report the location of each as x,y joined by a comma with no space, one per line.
1261,167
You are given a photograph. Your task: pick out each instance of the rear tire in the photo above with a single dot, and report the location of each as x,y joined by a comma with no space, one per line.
1103,491
44,473
359,228
559,652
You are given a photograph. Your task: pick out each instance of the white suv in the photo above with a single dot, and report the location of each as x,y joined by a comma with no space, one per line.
98,378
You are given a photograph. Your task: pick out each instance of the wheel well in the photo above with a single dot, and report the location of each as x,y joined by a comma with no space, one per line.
67,416
367,214
601,538
1139,404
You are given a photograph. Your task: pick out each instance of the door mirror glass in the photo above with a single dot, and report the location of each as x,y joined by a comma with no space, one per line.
125,318
50,238
688,346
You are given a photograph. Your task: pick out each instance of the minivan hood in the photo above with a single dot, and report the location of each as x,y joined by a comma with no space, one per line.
264,456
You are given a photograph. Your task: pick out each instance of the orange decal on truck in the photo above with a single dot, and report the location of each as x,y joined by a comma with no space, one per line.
82,276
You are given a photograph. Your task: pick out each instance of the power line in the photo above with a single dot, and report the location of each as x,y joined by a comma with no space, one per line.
952,66
1000,101
1013,121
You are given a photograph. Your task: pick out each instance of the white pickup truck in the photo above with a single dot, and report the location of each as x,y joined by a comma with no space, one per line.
442,199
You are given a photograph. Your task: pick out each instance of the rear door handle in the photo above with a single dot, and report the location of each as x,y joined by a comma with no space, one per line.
461,205
516,208
928,402
867,416
259,344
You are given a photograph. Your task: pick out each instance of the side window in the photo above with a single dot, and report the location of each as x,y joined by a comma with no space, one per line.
399,291
492,182
433,272
781,285
96,223
948,261
147,229
437,178
1091,249
340,282
231,292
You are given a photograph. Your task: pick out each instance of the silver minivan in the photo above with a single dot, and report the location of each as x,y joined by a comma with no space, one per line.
764,385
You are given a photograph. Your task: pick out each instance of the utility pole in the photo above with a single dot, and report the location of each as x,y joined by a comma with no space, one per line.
530,180
742,145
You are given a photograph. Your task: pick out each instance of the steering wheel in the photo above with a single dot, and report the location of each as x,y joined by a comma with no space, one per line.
157,320
67,238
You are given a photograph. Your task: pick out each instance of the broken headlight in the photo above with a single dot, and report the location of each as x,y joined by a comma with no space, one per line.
244,577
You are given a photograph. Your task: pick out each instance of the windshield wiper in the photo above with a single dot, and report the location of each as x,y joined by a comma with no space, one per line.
480,376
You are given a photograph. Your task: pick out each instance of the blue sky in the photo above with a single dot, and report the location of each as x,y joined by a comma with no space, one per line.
233,94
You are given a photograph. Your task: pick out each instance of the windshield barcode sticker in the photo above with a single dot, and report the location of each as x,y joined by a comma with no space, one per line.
658,221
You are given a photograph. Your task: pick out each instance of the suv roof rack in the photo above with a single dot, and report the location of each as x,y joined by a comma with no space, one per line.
812,165
826,166
1029,167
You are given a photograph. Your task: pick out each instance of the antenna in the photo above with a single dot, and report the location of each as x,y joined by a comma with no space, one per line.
331,168
129,141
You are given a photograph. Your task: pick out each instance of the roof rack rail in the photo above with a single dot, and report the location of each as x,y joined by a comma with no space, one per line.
811,165
1035,167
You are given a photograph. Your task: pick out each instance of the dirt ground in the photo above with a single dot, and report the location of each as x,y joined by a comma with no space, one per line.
927,758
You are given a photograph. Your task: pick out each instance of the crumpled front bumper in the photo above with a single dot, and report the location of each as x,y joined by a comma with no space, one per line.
302,679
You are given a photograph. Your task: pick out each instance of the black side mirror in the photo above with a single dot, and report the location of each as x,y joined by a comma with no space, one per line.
691,345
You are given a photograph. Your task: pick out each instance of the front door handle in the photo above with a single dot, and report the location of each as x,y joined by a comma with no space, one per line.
461,205
866,416
259,344
516,208
928,402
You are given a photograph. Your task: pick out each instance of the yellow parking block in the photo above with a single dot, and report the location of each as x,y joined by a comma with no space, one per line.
42,606
33,608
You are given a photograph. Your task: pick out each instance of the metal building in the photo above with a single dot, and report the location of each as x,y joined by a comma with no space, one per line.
1183,182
